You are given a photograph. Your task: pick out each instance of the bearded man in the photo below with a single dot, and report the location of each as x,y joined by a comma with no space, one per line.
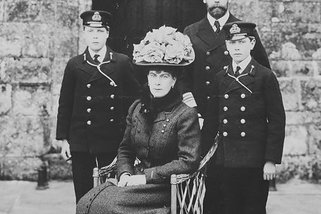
211,54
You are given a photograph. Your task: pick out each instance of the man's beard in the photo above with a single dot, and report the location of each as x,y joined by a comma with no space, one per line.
217,11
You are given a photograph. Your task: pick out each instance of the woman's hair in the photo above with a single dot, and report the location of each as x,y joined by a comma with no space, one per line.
174,71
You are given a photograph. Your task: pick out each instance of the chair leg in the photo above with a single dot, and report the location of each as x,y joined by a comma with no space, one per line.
95,177
173,194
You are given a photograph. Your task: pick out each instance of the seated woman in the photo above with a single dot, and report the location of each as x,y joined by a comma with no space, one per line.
163,133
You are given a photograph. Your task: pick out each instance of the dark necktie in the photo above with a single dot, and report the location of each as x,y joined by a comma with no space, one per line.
217,26
96,58
237,71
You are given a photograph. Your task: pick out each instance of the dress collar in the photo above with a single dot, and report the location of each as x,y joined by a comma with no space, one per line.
102,53
242,64
221,20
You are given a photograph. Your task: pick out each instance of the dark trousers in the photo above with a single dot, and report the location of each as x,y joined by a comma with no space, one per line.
82,170
213,201
244,191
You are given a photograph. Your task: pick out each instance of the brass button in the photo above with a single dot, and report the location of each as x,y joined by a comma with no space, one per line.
225,53
208,97
226,96
225,121
112,108
88,85
167,120
208,53
112,96
111,120
242,121
242,108
88,110
225,108
243,134
88,98
163,131
89,122
207,82
207,67
225,134
243,96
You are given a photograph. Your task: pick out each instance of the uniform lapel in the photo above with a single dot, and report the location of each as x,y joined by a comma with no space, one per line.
106,67
209,37
246,78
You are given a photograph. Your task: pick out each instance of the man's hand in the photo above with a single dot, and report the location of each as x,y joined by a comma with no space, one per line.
269,171
123,180
65,150
131,180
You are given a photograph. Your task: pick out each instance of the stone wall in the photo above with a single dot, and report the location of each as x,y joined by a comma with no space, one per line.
37,37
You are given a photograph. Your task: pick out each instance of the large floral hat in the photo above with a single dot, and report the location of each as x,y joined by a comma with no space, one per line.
164,46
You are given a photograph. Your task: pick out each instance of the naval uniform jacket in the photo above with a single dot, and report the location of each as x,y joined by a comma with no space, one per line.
250,118
171,145
92,109
211,56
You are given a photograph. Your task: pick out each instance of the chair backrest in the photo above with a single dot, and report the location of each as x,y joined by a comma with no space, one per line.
188,190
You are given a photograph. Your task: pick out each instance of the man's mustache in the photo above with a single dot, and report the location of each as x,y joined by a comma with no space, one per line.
220,7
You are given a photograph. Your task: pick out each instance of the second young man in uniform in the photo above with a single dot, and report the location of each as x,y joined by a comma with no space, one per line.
97,88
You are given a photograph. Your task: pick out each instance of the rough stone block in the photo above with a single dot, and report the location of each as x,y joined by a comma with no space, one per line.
66,42
311,95
297,11
37,44
302,117
20,168
296,140
290,94
25,136
294,68
250,10
315,138
30,100
30,10
11,39
304,37
5,98
29,70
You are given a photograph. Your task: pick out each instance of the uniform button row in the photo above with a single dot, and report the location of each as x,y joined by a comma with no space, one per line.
89,121
225,108
243,134
112,96
111,108
243,121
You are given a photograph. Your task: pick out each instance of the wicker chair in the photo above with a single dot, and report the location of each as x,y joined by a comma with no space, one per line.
187,190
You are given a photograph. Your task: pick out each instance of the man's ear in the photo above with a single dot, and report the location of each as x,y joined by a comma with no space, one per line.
253,41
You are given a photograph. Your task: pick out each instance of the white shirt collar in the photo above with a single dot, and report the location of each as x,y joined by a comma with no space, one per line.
221,20
102,53
242,64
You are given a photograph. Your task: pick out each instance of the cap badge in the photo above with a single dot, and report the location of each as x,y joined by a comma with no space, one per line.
96,16
235,29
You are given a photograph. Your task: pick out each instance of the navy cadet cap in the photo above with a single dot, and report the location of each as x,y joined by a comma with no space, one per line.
238,30
95,18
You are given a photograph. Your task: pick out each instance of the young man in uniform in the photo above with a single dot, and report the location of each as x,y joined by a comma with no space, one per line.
97,88
196,83
247,111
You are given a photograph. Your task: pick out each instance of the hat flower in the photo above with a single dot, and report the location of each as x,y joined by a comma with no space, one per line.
164,46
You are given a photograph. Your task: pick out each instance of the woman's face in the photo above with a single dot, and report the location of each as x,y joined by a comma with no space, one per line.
160,82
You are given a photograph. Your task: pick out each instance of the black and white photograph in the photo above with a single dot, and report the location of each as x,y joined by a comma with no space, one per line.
160,106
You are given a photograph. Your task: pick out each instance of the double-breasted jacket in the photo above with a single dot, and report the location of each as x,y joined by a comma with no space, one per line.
249,115
94,101
211,56
170,145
